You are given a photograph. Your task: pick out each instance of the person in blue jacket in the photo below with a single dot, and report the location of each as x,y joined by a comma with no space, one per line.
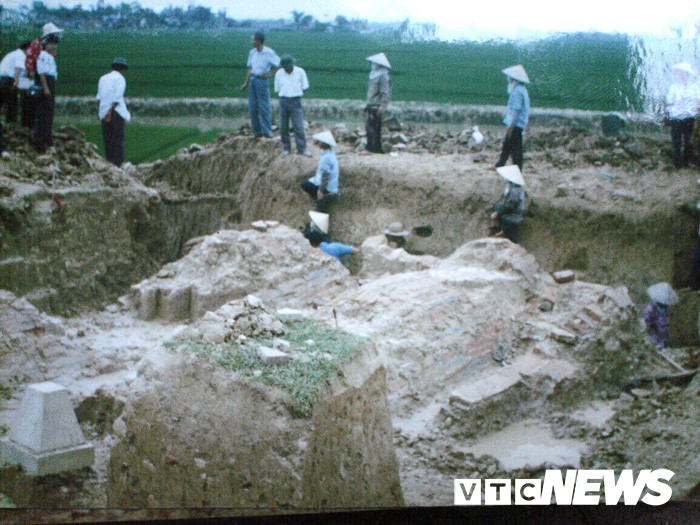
323,186
517,116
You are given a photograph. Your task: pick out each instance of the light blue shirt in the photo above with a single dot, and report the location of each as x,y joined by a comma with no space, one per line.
336,249
329,171
262,62
518,107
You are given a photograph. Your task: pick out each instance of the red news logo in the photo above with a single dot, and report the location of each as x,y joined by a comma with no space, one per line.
577,487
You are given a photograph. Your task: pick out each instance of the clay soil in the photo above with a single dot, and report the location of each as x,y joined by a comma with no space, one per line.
613,209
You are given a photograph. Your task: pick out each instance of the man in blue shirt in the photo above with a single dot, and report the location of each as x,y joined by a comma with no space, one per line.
263,63
323,186
517,115
337,249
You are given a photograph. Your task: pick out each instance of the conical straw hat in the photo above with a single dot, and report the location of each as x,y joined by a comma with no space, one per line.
326,137
380,59
320,220
684,66
511,174
662,293
517,73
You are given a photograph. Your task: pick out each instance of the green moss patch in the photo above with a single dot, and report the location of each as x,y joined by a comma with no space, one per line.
313,365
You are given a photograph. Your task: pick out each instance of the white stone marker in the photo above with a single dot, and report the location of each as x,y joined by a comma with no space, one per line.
45,437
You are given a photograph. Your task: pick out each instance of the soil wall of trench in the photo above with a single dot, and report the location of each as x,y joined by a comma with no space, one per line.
621,230
616,225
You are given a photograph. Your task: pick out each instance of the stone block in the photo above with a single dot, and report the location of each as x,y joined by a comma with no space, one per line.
289,315
594,312
271,356
176,304
260,226
281,344
45,437
619,296
563,336
564,276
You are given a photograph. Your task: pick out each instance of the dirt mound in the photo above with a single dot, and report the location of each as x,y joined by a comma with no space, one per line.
255,453
69,162
77,231
231,264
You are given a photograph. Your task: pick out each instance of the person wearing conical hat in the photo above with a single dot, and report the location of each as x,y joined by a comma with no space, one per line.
378,98
290,84
657,314
317,230
682,106
112,111
317,234
516,117
509,211
323,186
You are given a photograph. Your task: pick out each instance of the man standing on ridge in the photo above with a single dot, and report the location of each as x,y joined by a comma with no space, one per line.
290,84
11,67
378,97
516,117
262,64
112,111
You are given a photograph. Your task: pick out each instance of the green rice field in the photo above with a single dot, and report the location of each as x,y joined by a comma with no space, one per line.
581,71
148,143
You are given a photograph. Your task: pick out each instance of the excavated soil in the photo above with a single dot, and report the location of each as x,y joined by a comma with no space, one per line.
481,346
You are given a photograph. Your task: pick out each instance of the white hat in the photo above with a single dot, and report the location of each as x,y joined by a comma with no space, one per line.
50,29
662,293
326,137
320,220
517,73
511,174
684,66
380,59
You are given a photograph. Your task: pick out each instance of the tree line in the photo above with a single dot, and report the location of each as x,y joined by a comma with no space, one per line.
134,16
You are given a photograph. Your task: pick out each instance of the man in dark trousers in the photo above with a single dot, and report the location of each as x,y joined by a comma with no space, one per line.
47,73
517,115
378,97
112,111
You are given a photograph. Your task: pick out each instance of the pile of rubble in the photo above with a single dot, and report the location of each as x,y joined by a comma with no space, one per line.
234,321
71,161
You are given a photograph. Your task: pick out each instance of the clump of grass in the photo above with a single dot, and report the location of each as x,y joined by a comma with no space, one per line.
302,377
6,502
8,388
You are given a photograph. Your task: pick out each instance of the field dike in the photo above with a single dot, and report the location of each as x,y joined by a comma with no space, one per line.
331,110
460,357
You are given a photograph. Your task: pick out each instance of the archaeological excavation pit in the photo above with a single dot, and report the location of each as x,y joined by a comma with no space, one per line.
465,340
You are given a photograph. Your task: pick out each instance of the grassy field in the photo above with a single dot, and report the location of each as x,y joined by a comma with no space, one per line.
147,143
581,71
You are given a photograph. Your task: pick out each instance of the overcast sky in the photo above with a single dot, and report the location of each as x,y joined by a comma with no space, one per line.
462,18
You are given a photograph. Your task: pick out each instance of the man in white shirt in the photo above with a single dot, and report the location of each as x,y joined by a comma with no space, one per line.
112,111
47,72
11,67
682,105
262,64
290,84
